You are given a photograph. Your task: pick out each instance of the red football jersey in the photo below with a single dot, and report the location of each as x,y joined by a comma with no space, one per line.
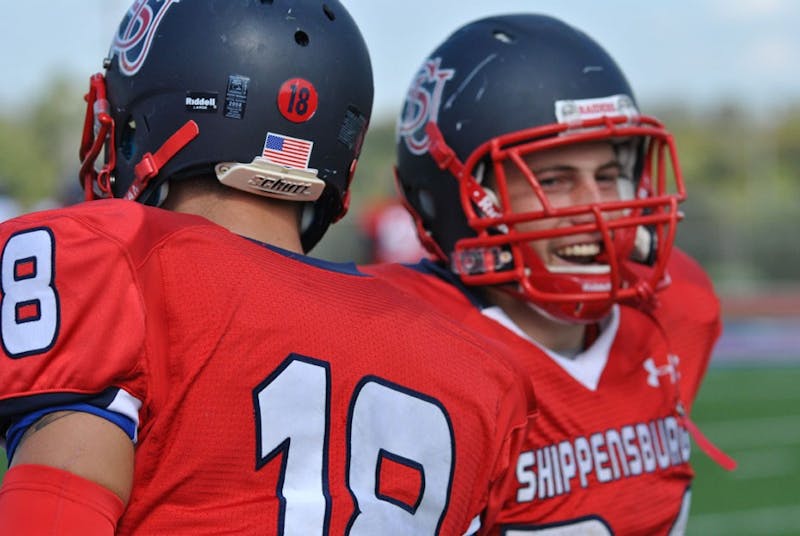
269,393
608,452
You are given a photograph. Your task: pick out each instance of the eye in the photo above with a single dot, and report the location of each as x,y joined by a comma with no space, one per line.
555,182
608,178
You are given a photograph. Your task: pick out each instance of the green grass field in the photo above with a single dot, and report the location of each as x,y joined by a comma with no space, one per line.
753,414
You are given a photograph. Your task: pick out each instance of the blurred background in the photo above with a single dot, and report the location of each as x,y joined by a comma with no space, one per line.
722,75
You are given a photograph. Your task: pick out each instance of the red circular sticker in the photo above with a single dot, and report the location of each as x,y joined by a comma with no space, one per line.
297,100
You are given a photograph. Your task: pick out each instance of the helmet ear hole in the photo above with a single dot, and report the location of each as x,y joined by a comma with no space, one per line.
426,204
127,144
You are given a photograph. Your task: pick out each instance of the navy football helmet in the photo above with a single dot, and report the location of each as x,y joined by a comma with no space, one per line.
494,93
274,97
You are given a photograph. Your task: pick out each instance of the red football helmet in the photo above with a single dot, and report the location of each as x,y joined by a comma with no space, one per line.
494,93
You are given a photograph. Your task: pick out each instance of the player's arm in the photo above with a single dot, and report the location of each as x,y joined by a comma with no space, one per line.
71,473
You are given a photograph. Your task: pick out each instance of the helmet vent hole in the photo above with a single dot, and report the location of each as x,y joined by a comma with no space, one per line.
503,37
301,38
328,12
267,2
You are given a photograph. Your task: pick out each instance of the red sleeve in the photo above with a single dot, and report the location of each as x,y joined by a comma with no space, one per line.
72,319
40,500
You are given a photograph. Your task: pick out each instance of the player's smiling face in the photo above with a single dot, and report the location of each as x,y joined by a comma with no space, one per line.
578,174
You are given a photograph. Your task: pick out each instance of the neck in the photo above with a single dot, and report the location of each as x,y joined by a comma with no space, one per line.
259,218
561,337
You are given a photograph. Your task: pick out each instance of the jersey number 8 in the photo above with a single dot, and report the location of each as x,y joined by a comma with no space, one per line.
29,311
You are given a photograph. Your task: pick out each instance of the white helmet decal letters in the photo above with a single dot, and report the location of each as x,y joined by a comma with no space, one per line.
133,43
424,98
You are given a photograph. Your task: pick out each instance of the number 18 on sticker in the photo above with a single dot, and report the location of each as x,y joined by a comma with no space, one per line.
297,100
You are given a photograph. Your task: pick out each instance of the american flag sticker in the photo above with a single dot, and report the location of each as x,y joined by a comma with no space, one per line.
286,151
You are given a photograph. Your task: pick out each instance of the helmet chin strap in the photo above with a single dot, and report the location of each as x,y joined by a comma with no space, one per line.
645,245
445,157
151,163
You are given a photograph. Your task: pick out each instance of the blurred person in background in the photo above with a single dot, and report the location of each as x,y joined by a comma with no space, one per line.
550,206
390,233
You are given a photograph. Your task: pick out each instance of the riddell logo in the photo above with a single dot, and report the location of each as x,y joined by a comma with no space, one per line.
571,111
201,102
598,108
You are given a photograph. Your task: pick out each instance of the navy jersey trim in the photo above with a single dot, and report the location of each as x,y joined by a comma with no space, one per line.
15,408
347,268
18,428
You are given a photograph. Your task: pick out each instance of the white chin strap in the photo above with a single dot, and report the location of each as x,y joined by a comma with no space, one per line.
265,178
644,246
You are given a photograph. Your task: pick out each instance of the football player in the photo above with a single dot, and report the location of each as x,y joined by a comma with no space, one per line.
551,204
191,370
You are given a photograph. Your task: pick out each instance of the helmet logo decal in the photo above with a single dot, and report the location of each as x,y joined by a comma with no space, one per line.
422,105
286,151
135,34
297,100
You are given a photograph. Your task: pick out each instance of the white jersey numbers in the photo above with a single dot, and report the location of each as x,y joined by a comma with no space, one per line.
291,419
391,426
394,436
29,314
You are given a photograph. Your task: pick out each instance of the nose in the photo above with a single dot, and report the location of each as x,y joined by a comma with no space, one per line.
586,190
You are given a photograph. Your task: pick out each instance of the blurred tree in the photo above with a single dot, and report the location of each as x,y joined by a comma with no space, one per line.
27,169
57,120
742,176
39,144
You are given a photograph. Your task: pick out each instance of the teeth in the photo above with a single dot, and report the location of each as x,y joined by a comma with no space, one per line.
579,250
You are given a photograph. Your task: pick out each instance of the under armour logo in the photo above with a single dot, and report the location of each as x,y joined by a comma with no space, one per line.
655,371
